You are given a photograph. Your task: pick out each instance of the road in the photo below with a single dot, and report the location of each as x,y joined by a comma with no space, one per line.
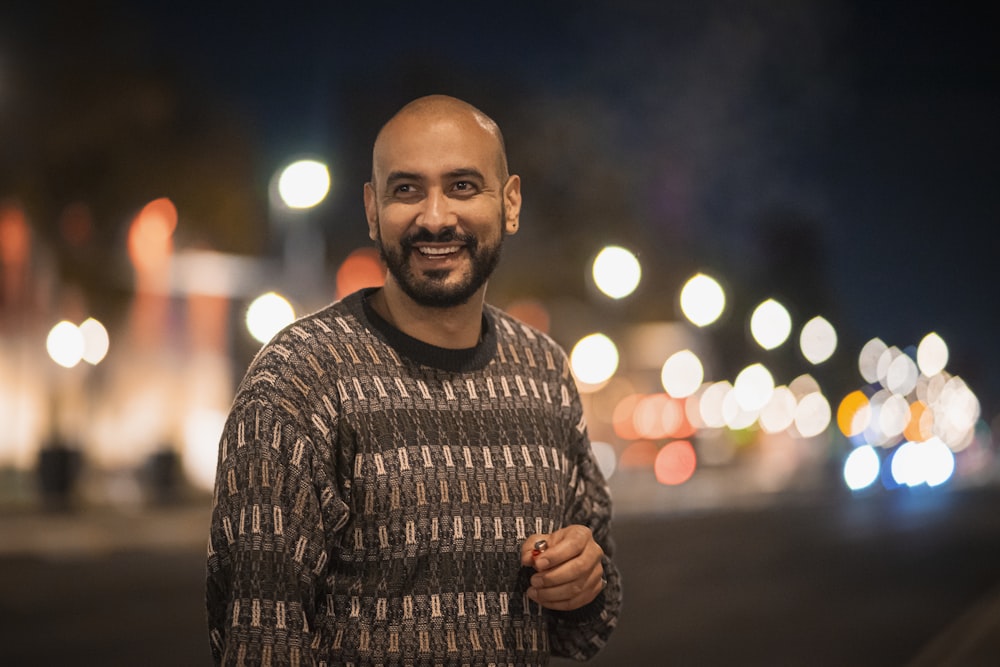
840,582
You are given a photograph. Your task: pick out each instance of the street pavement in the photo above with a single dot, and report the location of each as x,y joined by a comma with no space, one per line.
910,579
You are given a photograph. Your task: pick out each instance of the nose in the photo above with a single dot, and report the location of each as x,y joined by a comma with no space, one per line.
436,213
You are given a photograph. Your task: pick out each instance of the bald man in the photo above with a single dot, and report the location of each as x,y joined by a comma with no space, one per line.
405,477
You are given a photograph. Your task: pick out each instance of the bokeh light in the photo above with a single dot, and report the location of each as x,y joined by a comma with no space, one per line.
675,463
853,414
710,407
682,374
818,340
304,184
770,324
812,415
616,272
779,412
150,236
753,387
594,359
267,315
65,344
96,342
702,300
901,374
362,268
932,354
862,468
868,359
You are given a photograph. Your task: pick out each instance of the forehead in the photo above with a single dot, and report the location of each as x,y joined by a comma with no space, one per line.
436,144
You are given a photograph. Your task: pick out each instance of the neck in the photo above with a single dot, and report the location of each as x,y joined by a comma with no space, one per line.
457,328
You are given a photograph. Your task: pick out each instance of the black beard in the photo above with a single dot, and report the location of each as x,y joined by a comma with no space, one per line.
429,289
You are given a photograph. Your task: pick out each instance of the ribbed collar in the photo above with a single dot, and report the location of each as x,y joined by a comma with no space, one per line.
455,361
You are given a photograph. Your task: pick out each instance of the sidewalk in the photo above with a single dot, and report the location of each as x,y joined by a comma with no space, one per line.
93,531
971,640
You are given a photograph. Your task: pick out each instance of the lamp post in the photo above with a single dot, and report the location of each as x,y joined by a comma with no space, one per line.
296,189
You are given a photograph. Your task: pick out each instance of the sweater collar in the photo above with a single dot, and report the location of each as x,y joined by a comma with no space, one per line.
456,361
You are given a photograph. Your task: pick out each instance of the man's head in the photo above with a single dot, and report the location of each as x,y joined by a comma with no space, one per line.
440,200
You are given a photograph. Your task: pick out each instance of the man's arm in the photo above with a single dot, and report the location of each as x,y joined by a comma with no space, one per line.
267,552
578,580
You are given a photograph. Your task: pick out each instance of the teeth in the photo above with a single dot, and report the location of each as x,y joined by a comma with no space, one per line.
439,251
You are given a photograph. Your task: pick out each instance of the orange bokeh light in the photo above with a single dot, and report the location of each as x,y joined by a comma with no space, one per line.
150,238
361,269
675,463
623,417
919,428
853,413
15,236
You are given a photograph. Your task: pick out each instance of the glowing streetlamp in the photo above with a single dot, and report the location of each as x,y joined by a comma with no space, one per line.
296,189
303,184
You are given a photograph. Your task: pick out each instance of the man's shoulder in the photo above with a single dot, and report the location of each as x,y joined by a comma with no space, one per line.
511,328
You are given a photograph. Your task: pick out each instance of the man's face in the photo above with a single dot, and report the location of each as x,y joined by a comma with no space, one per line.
437,208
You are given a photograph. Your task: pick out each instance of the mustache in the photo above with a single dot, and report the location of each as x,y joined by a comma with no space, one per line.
448,235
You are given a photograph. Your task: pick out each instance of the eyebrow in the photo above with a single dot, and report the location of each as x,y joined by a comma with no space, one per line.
454,173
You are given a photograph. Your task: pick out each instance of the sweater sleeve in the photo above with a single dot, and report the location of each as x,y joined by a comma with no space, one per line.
268,550
581,633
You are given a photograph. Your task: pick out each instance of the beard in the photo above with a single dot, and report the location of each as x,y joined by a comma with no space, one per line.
431,288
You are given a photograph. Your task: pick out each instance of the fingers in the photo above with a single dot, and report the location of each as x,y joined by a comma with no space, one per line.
560,546
570,594
569,566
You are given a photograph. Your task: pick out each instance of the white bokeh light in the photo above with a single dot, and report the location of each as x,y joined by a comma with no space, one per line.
710,404
818,340
869,357
682,374
702,300
862,468
770,324
96,342
901,375
753,387
812,415
779,413
267,315
594,359
304,184
616,272
65,344
932,354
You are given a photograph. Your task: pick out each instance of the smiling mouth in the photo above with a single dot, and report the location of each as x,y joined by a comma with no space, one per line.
438,251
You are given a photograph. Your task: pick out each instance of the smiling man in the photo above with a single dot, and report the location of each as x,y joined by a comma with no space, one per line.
405,477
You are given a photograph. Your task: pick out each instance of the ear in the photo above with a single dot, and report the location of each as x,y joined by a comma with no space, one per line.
512,204
371,211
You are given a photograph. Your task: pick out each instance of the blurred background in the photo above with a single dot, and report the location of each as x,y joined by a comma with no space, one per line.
765,231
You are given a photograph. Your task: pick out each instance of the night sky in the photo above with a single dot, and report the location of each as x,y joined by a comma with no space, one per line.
840,151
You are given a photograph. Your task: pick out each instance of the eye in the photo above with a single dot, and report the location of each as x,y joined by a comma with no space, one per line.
465,187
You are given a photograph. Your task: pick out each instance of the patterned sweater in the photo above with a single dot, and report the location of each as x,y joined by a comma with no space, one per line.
373,493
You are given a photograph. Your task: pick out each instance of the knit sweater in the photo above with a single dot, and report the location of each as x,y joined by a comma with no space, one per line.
373,493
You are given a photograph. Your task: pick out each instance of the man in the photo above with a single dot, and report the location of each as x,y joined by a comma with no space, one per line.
392,463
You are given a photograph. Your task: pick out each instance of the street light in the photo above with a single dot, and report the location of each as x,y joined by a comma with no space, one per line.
296,189
303,184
